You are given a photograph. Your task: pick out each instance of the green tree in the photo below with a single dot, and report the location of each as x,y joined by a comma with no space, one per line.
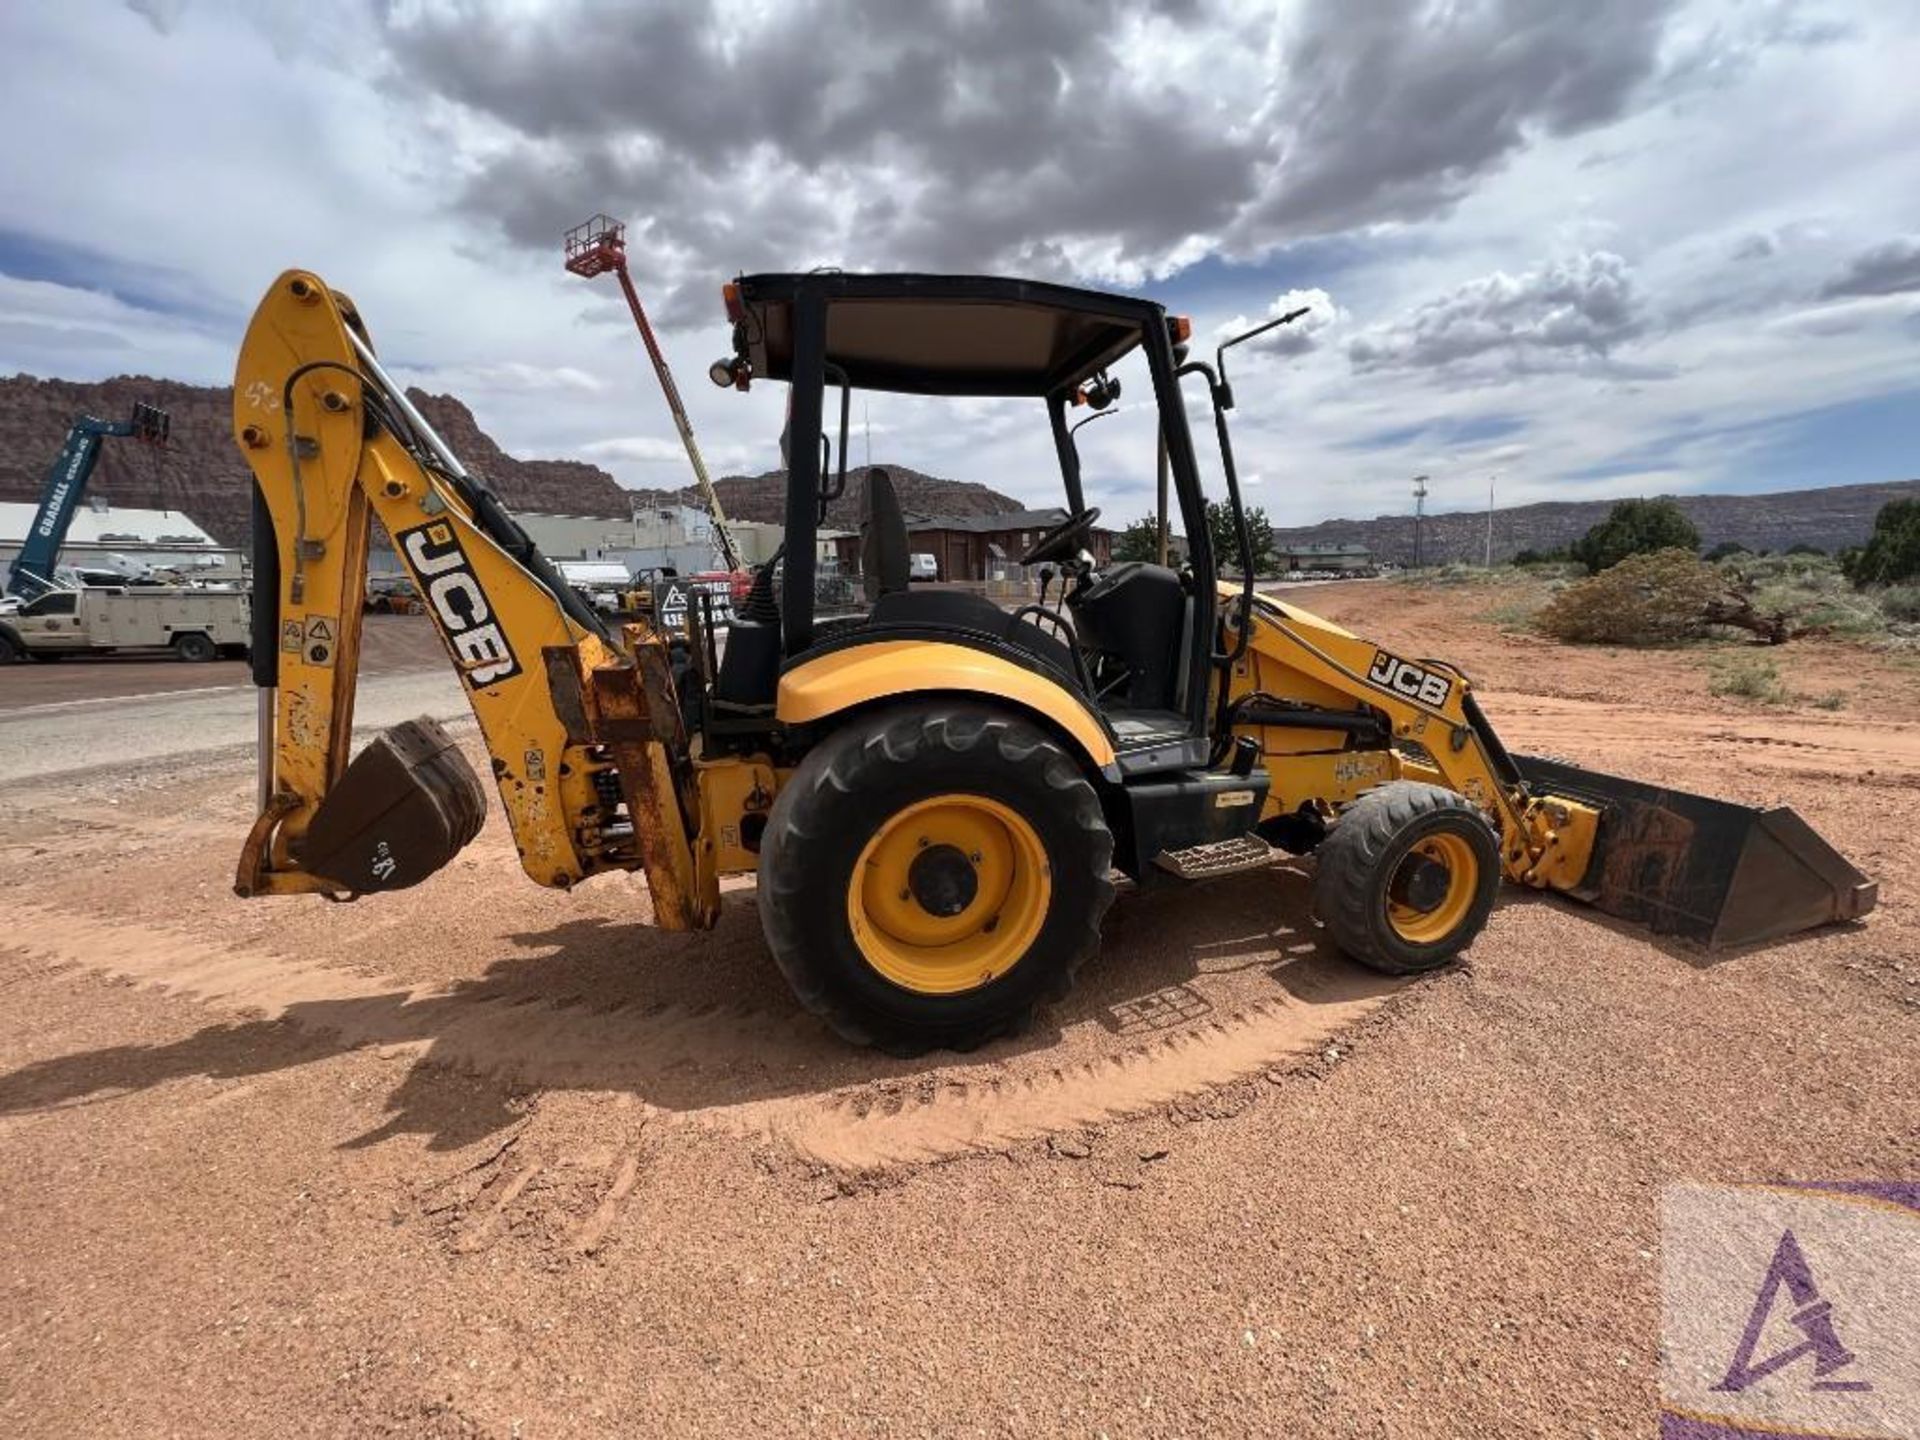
1724,549
1635,527
1139,541
1226,541
1892,552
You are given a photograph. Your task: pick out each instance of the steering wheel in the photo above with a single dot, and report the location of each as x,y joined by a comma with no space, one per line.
1063,539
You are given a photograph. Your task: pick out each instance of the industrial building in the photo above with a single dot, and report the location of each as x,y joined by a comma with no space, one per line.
655,537
1341,558
978,547
124,540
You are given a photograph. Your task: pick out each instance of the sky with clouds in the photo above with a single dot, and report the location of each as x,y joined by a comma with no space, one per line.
1591,249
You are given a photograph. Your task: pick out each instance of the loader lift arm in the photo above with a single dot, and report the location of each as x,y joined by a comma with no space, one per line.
1682,864
582,731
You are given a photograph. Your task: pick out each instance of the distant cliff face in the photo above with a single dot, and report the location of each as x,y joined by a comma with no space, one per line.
558,487
201,473
1829,518
764,497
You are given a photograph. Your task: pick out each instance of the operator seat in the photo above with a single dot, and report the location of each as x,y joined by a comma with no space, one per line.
901,609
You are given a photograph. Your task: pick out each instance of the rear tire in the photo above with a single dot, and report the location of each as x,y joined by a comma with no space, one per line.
931,875
195,648
1407,877
11,650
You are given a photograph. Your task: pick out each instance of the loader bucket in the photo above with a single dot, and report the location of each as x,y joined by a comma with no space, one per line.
406,805
1708,870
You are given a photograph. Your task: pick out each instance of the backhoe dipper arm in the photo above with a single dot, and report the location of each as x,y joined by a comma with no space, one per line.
578,730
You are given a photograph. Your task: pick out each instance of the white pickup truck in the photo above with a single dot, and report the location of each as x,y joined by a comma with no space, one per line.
191,624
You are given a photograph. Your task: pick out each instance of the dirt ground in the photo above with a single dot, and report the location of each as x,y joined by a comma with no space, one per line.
484,1159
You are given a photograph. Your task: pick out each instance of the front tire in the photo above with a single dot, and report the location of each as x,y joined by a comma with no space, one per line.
1407,877
930,876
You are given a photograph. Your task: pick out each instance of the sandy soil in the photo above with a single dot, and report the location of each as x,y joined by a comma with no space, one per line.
482,1159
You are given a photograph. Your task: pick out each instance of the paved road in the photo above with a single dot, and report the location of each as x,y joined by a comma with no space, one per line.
389,644
56,738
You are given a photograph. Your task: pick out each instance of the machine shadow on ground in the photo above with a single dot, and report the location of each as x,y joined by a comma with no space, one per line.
704,1023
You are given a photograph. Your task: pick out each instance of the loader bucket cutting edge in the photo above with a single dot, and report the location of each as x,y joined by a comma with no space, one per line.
1704,869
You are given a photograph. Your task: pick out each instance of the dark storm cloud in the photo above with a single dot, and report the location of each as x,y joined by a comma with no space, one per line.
1568,313
944,137
1006,135
1390,110
1888,269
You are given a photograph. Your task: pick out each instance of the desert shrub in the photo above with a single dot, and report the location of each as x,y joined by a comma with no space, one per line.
1556,556
1832,700
1892,552
1518,613
1635,527
1725,549
1644,600
1454,572
1805,549
1749,678
1900,602
1808,590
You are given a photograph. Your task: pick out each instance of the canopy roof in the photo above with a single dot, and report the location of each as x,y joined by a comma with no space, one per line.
947,334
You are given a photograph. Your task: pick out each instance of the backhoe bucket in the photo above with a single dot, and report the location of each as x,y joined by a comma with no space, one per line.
1708,870
406,805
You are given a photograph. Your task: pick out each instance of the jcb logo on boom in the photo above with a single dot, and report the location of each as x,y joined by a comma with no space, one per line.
442,569
1403,677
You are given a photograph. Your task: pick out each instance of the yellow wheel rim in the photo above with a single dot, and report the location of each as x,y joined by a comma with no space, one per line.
1457,858
949,893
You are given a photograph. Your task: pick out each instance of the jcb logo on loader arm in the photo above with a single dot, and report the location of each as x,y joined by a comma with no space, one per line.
440,565
1403,677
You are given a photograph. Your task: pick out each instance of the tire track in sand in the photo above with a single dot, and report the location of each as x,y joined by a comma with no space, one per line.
1088,1075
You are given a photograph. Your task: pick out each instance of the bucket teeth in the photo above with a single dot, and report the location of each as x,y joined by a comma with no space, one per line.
1705,869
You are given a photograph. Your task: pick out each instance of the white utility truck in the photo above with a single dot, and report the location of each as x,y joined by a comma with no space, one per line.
191,623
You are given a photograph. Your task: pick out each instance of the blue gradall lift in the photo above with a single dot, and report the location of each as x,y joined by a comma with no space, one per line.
32,572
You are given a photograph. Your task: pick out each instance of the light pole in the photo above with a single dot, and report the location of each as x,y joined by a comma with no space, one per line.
1490,479
1419,514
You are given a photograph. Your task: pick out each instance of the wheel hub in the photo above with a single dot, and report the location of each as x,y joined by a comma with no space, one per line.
942,880
1420,883
949,893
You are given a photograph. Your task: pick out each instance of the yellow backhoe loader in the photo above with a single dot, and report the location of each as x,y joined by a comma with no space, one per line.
934,793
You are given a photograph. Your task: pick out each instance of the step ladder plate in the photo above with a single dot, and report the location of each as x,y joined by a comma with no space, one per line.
1222,857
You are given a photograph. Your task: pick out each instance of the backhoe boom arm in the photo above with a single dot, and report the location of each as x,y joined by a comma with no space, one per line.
587,783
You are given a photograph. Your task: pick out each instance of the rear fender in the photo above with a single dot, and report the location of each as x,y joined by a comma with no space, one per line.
850,679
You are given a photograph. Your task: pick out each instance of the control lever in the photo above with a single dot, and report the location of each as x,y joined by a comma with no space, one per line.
1046,579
